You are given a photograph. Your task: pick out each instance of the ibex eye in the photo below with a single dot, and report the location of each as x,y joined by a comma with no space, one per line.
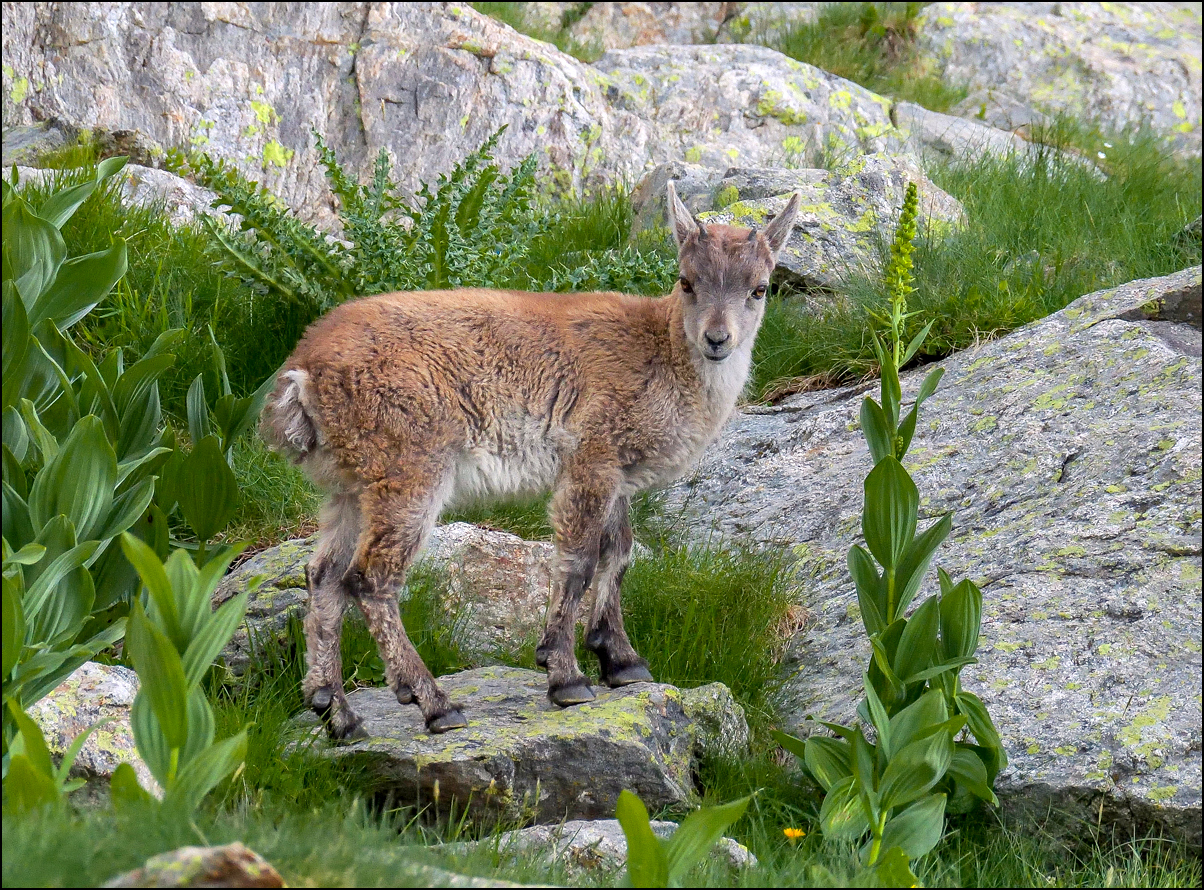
686,287
759,292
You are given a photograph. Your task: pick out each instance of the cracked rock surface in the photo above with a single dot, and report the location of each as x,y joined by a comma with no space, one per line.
1070,453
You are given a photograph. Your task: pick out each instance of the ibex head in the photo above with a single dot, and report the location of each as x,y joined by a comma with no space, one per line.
724,273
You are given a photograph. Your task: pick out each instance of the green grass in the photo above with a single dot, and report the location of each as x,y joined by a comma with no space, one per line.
517,17
1037,236
871,44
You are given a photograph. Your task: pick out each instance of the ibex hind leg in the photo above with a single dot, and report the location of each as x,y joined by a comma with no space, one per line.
398,516
605,634
323,683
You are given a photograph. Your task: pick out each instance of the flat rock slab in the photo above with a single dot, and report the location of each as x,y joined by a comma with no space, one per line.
1069,452
520,757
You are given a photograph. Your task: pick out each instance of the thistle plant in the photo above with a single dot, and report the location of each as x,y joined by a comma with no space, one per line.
897,788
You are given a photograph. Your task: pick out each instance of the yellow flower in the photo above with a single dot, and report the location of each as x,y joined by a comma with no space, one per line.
793,833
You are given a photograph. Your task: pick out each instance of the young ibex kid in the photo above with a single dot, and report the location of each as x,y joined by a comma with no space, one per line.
402,403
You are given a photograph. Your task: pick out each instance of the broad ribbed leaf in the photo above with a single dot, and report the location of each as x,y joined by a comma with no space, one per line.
182,573
911,722
915,769
891,392
829,761
207,490
28,555
980,722
48,597
16,346
33,251
146,562
138,469
841,817
136,395
647,865
127,508
931,382
30,741
161,674
914,566
18,528
795,746
201,726
95,397
78,482
60,206
203,772
917,829
124,789
697,834
16,436
967,770
889,518
212,636
148,737
877,434
961,617
914,345
892,870
82,282
871,597
25,787
918,644
197,410
878,715
14,624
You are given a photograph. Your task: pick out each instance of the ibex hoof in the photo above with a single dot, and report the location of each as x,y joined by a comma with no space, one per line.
541,656
571,694
625,676
347,727
405,695
321,700
453,719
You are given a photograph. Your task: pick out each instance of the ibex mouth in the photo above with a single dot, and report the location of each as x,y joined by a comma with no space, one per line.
717,358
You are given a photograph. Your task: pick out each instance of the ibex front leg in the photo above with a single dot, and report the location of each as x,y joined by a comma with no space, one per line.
605,635
578,508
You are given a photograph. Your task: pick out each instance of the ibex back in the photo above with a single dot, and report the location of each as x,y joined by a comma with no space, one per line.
403,403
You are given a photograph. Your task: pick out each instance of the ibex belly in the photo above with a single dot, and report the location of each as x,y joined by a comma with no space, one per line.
522,459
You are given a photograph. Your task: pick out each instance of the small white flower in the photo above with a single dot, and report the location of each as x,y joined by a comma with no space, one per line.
1100,155
1107,145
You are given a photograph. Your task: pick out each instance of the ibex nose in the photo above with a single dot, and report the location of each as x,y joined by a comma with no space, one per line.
717,338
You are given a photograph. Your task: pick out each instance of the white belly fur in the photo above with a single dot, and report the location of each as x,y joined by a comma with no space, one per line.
525,462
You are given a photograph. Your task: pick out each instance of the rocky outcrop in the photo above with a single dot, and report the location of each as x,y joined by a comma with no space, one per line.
180,199
845,215
230,866
1069,452
588,849
1120,63
424,81
493,586
92,693
520,757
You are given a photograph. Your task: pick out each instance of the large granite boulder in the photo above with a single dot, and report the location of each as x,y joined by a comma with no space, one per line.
845,216
521,757
1070,453
1119,62
92,693
493,586
425,81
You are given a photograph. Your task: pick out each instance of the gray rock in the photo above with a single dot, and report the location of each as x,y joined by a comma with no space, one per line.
951,136
495,589
1119,62
845,216
520,757
232,865
1070,451
424,81
180,199
622,25
91,693
24,145
584,849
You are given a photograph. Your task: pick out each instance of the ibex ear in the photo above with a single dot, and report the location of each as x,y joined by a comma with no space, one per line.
680,220
778,230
